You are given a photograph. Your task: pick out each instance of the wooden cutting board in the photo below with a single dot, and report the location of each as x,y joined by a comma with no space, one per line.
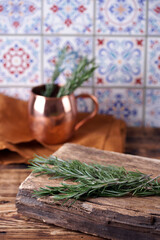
113,218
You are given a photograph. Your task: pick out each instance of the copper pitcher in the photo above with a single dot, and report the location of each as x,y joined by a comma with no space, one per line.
53,120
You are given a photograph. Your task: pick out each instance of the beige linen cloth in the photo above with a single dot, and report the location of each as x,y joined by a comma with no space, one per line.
17,144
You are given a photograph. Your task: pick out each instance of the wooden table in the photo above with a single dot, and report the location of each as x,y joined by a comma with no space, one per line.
144,142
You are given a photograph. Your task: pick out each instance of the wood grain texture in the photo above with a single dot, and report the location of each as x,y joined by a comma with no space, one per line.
143,142
14,226
113,218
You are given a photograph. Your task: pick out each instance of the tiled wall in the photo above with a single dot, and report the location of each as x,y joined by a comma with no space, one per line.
123,35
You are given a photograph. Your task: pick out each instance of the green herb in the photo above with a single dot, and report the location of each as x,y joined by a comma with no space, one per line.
92,180
50,87
81,74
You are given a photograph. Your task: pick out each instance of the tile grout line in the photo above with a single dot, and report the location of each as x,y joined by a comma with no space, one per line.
145,65
94,44
98,87
42,42
79,35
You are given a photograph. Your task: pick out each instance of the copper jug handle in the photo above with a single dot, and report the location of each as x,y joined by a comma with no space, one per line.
92,114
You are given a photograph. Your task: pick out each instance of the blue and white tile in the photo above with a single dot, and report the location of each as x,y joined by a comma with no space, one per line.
121,17
20,59
152,117
20,16
84,104
19,93
153,68
154,17
124,104
77,46
61,16
120,61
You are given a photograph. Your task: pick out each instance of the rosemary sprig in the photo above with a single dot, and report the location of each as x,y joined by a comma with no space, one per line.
92,180
81,74
50,87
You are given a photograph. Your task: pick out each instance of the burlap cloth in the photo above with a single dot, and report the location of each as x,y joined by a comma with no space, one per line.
17,143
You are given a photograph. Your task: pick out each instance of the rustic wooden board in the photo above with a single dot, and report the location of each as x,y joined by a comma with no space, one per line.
113,218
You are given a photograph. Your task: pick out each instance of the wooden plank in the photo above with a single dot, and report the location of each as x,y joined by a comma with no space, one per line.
117,128
143,142
114,218
14,226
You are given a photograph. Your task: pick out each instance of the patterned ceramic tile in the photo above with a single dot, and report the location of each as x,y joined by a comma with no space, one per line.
120,61
84,104
19,60
61,16
20,93
122,103
152,117
121,16
154,17
153,71
20,16
78,46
